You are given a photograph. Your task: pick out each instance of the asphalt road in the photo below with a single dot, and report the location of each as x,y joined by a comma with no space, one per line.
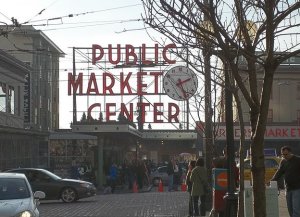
150,204
147,204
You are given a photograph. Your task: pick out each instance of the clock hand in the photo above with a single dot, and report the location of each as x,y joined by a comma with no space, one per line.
182,90
181,82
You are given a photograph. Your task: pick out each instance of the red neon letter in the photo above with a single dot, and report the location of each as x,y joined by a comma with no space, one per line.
92,81
75,84
143,111
165,56
124,83
175,115
124,111
129,49
157,112
140,84
156,75
110,53
89,114
144,61
110,86
94,57
108,113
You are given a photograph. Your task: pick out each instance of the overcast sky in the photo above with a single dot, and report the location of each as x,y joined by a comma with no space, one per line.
91,22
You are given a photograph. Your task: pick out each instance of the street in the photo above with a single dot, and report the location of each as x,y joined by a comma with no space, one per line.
148,204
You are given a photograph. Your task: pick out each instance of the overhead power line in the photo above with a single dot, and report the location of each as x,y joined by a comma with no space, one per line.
42,11
79,14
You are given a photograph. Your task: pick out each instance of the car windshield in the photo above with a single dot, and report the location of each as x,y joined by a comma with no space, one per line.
13,188
52,175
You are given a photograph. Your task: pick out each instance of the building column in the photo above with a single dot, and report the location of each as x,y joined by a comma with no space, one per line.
100,173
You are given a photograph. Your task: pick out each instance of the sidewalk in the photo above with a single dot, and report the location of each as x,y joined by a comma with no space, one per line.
283,212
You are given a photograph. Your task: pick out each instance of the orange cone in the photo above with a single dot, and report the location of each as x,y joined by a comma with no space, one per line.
160,186
183,187
135,187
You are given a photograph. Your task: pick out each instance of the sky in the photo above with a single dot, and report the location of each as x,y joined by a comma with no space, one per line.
93,22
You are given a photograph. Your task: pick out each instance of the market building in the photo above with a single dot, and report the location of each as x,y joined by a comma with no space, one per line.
29,107
283,124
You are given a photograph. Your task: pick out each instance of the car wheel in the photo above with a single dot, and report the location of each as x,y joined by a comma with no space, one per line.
68,195
156,181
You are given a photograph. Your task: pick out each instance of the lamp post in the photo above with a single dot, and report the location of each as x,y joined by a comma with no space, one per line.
231,198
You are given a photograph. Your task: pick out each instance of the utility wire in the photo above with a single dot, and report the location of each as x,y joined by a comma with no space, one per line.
5,16
41,11
80,14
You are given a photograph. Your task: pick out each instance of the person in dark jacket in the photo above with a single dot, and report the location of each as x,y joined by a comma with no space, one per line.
199,187
170,171
290,169
113,172
189,184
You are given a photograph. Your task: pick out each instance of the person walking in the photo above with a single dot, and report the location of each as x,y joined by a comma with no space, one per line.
199,187
113,173
290,168
189,184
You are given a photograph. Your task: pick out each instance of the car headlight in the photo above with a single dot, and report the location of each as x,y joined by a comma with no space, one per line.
25,214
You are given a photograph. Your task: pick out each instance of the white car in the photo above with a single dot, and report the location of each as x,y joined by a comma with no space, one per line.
16,196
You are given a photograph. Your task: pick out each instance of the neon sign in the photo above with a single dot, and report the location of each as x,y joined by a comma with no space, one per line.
127,84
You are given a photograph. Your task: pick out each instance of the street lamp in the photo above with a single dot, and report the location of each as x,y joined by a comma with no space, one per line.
231,197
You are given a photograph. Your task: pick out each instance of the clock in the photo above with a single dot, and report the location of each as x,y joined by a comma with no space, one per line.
180,83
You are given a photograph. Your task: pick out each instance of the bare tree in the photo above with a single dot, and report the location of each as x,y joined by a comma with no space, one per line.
264,33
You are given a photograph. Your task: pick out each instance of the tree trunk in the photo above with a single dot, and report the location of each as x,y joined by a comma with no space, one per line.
241,207
257,147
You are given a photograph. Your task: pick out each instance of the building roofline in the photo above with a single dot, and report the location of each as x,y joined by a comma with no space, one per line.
14,62
30,30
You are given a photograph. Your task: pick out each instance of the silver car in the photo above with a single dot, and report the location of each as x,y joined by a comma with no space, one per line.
16,196
160,174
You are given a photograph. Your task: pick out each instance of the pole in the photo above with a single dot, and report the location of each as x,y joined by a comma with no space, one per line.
140,118
74,93
230,197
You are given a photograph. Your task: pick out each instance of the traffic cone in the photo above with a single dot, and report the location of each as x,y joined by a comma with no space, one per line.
183,186
160,186
135,187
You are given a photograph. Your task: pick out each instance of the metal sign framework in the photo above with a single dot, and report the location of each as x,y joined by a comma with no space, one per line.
82,64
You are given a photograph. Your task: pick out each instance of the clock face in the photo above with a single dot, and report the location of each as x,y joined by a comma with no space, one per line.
180,83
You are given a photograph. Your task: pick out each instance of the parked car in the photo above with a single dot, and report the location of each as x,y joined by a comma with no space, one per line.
271,166
55,187
16,196
160,173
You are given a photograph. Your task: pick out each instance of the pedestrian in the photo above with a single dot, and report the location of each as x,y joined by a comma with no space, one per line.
199,187
290,169
176,176
113,173
170,171
140,172
189,184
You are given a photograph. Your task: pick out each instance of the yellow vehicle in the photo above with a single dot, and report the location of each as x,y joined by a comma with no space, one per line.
271,165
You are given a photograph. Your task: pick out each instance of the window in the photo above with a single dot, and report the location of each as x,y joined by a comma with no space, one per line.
298,90
11,100
270,116
2,97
